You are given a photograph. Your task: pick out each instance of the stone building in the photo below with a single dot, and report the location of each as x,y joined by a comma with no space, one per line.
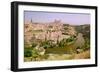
46,31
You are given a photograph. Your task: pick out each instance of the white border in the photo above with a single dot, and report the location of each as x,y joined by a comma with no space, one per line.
22,64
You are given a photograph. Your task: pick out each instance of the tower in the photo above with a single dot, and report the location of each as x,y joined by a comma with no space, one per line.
31,20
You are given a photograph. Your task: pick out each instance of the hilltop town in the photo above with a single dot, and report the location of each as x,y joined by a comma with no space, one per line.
48,31
56,41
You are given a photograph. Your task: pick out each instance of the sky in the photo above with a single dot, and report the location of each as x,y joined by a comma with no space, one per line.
69,18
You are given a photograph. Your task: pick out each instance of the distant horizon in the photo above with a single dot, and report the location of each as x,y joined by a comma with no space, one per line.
47,17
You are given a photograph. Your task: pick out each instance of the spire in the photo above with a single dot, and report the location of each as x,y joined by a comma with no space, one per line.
31,21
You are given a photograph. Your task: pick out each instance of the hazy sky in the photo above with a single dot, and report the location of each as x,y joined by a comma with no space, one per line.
70,18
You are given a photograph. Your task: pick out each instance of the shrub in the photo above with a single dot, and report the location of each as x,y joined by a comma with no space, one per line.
70,39
47,44
34,45
27,52
62,43
34,53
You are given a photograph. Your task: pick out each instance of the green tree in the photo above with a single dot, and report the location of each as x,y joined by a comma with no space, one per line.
34,54
34,45
28,52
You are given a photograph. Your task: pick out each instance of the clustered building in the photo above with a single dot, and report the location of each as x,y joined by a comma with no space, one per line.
46,31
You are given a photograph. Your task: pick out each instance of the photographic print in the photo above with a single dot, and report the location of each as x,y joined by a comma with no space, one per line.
56,36
52,36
